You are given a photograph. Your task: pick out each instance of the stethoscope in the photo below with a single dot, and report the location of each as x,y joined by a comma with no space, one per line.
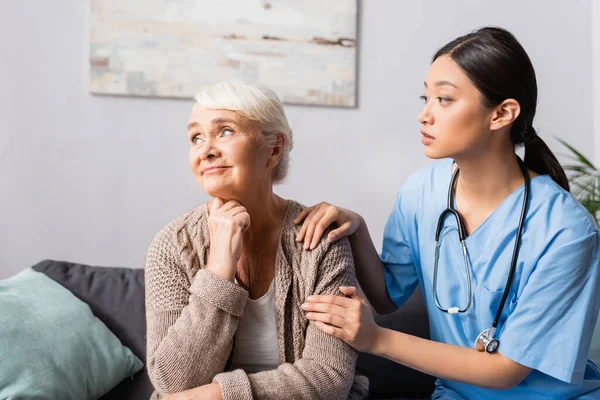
485,340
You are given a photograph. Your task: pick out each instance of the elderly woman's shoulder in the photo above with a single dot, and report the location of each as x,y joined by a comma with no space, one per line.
191,225
291,230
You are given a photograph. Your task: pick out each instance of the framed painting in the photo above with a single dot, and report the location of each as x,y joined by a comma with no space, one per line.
305,50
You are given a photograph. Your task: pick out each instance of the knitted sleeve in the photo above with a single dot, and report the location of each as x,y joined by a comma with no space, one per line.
326,368
190,325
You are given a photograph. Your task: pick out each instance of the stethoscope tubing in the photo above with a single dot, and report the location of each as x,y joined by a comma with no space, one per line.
462,237
513,262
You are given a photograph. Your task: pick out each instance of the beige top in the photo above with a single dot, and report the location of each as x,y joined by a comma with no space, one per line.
256,347
192,317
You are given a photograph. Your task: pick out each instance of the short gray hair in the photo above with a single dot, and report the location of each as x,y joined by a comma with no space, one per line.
255,103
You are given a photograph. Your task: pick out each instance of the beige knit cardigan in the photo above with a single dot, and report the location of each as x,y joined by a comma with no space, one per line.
192,316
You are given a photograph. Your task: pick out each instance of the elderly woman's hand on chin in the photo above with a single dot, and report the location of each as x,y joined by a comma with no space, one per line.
211,391
226,224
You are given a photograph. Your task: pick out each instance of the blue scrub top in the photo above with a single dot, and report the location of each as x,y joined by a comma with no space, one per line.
552,306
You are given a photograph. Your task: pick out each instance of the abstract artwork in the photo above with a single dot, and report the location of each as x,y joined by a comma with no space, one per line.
305,50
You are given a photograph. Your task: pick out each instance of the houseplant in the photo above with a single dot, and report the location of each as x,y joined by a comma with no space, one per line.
584,179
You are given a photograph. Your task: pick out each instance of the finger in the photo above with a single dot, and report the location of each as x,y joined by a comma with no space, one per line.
216,204
352,292
348,290
312,223
327,318
317,234
326,220
331,330
237,210
332,299
233,202
243,220
230,205
303,215
325,308
339,232
306,224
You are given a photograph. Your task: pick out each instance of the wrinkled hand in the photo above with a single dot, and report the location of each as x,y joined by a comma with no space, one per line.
211,391
349,319
226,224
318,217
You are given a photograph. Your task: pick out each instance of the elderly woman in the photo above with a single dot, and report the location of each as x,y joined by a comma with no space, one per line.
225,282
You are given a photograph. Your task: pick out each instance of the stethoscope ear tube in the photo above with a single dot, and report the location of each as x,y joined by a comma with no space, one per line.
513,262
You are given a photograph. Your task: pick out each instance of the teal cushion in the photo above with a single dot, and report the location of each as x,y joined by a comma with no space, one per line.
52,346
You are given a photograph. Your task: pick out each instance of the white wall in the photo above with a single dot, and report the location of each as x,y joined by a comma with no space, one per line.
92,179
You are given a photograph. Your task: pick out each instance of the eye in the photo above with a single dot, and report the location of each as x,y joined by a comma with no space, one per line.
197,139
226,132
424,99
444,100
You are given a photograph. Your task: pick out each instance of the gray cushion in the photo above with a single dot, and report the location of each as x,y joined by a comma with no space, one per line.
116,297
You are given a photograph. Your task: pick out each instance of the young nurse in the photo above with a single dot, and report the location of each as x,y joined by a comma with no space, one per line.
512,307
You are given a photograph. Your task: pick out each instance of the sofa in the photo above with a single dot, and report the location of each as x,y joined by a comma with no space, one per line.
116,297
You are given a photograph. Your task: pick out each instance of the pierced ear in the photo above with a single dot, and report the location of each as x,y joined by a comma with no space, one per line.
505,114
276,151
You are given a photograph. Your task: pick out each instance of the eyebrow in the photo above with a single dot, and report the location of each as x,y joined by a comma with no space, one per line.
215,121
442,83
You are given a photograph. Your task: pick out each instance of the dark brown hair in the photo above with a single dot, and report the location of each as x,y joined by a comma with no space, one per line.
500,69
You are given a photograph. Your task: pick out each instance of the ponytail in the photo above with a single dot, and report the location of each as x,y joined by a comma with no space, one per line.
539,158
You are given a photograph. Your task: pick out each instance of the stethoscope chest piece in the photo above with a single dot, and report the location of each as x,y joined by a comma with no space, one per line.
486,342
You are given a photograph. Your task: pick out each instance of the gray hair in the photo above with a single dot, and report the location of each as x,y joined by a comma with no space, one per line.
258,104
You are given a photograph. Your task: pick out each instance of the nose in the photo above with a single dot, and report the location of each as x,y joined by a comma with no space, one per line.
425,116
209,149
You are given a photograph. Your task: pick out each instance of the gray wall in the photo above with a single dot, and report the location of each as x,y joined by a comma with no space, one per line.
92,179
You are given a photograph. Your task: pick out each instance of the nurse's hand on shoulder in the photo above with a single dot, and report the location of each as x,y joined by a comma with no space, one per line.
227,221
318,217
349,319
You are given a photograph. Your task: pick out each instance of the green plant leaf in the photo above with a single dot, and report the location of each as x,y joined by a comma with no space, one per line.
579,156
585,181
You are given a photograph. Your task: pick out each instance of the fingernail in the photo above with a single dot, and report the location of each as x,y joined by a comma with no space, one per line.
310,298
304,306
332,238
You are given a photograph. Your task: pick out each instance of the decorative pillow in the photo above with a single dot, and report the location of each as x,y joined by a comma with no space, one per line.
52,346
116,297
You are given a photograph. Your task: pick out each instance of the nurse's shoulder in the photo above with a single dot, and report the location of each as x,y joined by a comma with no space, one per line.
558,214
426,187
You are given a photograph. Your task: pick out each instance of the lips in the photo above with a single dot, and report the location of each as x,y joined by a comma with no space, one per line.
427,135
214,168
